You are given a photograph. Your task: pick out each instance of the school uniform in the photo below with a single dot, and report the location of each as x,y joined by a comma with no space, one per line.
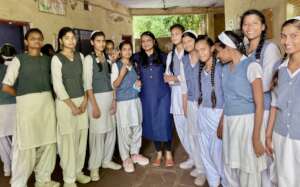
7,123
191,72
68,83
208,120
177,90
270,55
34,143
102,131
286,134
242,167
129,112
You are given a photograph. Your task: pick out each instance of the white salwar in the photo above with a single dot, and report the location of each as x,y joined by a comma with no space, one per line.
72,130
102,131
129,122
7,128
211,145
34,143
194,133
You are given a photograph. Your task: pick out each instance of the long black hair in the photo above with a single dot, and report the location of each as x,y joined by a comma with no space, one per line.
93,53
62,32
210,43
263,35
182,29
157,55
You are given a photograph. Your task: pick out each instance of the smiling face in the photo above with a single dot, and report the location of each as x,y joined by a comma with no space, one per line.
69,40
34,41
290,38
126,51
147,43
176,34
98,43
204,51
188,43
253,27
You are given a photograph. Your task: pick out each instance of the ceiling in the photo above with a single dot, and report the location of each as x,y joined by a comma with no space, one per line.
170,3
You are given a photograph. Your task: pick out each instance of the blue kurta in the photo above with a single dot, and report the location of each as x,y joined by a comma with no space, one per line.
156,100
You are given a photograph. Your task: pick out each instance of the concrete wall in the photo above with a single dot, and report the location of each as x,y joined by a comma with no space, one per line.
235,8
99,18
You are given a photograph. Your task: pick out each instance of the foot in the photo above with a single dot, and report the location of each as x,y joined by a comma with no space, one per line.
188,164
195,173
112,165
83,179
128,165
7,173
169,159
47,184
70,184
95,175
157,161
140,159
200,180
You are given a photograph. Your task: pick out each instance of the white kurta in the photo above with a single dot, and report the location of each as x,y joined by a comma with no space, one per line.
106,122
35,114
8,119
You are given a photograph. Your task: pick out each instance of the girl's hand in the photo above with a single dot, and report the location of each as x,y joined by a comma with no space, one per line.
113,108
123,70
269,146
83,106
169,78
220,129
75,110
138,84
96,112
259,149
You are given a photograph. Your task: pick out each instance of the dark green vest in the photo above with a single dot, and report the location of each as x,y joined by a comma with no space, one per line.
34,74
5,98
101,79
72,75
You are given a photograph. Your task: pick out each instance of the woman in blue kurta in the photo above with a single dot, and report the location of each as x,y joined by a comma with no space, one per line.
155,95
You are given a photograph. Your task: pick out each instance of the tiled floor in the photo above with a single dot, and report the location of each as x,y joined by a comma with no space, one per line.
143,177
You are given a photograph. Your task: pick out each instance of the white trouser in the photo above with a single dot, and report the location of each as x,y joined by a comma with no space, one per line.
182,132
41,160
6,152
211,154
239,178
72,150
287,160
129,140
102,148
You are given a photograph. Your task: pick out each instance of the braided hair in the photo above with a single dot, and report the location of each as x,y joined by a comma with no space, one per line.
180,27
263,35
210,43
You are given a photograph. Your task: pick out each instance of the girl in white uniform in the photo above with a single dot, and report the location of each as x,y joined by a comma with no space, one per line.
7,111
102,128
243,134
129,112
71,102
211,103
283,134
191,72
266,53
174,75
34,142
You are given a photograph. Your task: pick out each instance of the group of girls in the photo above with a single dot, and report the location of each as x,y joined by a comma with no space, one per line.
226,97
